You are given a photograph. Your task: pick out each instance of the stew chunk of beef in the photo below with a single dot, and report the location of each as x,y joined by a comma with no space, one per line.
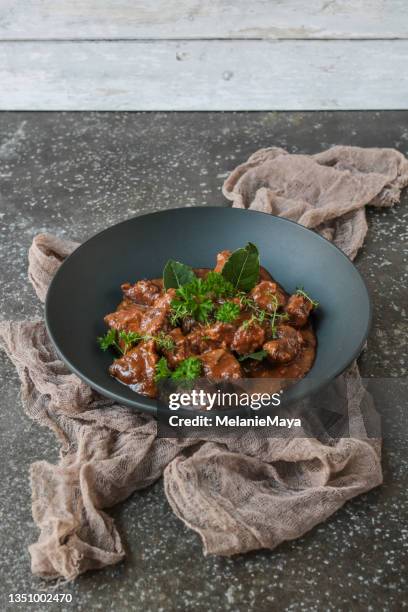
267,294
220,333
199,342
143,292
206,338
181,349
298,309
156,317
248,338
220,365
286,346
188,324
128,319
137,368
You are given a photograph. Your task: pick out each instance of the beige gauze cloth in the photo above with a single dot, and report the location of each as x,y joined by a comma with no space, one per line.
240,493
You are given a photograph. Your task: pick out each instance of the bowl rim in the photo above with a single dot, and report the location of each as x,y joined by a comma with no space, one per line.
154,406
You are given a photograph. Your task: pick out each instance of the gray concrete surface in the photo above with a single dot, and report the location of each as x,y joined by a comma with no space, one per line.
76,173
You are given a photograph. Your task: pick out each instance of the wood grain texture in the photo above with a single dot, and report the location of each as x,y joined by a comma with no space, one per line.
204,75
198,19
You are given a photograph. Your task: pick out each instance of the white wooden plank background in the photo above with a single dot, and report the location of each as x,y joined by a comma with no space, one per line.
203,54
169,19
196,75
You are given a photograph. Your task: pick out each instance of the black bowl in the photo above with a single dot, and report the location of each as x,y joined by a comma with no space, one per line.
87,286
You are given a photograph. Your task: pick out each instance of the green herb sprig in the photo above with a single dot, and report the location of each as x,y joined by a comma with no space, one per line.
163,341
254,318
227,312
215,284
191,300
195,298
259,315
162,370
109,340
112,337
188,370
277,317
301,291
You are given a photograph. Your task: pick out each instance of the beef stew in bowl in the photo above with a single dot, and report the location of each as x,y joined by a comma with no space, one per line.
230,323
87,287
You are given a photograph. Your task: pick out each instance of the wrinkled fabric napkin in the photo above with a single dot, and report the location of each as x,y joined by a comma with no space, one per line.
241,493
327,192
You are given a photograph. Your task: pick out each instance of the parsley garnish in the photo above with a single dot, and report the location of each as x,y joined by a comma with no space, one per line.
109,340
217,285
195,298
300,291
188,369
227,312
112,337
129,339
192,300
162,370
